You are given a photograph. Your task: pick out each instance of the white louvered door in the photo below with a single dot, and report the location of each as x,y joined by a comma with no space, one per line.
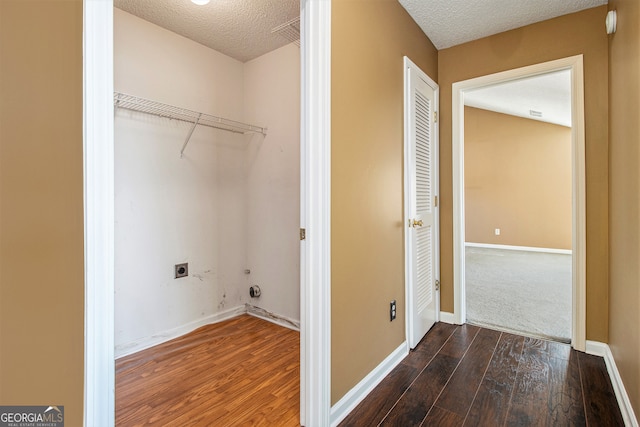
421,203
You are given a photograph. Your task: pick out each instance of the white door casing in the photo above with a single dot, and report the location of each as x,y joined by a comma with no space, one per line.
99,384
315,214
99,369
421,210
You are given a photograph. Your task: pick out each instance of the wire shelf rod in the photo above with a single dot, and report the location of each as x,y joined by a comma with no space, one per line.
134,103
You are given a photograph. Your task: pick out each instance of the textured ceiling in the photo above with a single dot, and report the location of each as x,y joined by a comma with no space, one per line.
240,29
548,94
451,22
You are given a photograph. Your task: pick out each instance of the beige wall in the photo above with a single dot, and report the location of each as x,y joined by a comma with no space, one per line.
577,33
624,191
517,176
41,208
369,41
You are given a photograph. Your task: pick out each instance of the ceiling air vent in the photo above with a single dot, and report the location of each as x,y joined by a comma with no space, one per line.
534,113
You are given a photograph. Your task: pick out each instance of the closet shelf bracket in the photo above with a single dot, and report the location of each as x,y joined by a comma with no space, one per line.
134,103
186,141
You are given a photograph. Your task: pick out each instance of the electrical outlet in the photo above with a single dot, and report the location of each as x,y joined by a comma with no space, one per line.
182,270
392,310
497,231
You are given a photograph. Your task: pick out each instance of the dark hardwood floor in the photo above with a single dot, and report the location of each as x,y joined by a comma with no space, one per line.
471,376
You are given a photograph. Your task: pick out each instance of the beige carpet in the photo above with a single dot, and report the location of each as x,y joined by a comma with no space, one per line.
520,291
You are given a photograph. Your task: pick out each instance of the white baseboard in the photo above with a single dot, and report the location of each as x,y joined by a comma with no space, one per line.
519,248
446,317
263,314
601,349
350,400
147,342
596,348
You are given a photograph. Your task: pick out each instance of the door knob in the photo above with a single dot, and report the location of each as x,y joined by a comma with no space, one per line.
417,223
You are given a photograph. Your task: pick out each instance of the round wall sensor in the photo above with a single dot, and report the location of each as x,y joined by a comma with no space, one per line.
611,21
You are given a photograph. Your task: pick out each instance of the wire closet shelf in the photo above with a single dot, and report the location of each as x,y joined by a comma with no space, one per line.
134,103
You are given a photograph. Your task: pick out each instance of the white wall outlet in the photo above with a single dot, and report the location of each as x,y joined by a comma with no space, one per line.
497,231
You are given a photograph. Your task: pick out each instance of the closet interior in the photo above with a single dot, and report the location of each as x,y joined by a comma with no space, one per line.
207,181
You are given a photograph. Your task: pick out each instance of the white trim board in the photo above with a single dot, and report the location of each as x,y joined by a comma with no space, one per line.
99,369
315,213
603,350
447,317
354,396
164,336
519,248
274,318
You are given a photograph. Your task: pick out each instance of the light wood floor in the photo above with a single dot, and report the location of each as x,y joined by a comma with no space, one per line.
244,371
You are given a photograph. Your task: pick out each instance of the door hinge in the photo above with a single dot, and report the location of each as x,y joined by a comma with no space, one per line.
435,117
435,201
437,285
303,234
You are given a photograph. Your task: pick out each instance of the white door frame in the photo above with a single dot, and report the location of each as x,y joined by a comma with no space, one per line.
573,63
98,143
99,360
408,64
315,214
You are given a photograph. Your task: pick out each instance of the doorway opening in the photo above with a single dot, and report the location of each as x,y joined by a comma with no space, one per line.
215,192
517,171
99,211
463,91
